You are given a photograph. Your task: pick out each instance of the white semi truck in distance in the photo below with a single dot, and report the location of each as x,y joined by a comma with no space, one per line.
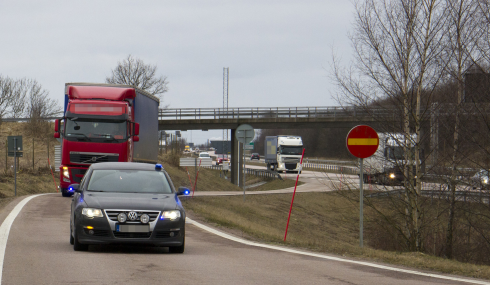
386,165
283,153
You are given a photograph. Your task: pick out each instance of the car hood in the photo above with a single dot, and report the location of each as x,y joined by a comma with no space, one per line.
131,201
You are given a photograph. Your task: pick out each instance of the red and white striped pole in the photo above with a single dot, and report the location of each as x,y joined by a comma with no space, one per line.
294,193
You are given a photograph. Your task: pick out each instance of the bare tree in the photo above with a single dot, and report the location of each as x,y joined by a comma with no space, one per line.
38,105
397,45
6,94
133,71
18,103
462,35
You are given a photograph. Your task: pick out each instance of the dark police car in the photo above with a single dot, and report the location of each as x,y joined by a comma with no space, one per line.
127,203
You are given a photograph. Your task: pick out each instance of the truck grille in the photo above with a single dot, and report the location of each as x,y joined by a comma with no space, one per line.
291,165
77,174
112,214
291,159
89,158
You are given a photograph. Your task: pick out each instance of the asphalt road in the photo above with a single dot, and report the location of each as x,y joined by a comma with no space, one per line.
38,252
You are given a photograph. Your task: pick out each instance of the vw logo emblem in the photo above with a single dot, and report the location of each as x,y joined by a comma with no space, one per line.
94,158
132,216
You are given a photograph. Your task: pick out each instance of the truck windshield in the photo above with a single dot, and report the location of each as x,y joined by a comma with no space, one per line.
398,153
294,150
95,130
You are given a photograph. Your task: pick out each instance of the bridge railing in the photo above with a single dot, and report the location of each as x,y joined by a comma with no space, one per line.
271,112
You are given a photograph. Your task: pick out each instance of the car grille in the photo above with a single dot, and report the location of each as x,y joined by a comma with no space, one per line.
291,165
89,158
132,235
112,214
75,173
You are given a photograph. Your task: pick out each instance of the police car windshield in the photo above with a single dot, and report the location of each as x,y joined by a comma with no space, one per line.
129,181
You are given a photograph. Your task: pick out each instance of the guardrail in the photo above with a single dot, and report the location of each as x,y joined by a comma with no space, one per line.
334,168
250,171
271,112
465,196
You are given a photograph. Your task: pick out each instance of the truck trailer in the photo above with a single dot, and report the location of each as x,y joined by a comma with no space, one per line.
105,123
283,153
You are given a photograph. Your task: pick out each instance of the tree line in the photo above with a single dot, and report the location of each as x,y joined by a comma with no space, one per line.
430,61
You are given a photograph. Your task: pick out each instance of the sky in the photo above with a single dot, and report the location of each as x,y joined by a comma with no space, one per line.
278,52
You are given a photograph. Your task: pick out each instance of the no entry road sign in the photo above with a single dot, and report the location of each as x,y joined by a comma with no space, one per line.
362,141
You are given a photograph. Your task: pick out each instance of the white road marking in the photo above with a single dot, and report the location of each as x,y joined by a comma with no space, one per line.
227,236
5,228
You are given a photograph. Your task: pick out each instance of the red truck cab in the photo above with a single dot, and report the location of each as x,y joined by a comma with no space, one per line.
98,126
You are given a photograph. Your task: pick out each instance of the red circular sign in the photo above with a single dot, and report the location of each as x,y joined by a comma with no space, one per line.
362,141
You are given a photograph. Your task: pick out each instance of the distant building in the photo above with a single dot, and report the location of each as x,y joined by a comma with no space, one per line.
476,85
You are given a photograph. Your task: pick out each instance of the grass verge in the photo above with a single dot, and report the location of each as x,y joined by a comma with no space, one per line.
321,222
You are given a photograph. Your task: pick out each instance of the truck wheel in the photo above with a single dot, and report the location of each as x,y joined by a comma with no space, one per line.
65,193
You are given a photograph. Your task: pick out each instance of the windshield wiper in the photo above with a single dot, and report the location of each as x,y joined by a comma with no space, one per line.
85,136
107,136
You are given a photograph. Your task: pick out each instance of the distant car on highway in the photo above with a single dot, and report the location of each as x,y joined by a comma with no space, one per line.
204,154
255,156
481,179
127,203
219,160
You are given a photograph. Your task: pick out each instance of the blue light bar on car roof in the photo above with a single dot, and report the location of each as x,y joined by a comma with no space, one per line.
158,166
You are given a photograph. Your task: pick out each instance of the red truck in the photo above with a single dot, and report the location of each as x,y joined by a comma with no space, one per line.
105,123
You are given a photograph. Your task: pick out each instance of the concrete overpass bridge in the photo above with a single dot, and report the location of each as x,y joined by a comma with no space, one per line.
270,118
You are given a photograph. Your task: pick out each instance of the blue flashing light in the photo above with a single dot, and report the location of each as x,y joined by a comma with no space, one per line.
158,166
70,189
187,192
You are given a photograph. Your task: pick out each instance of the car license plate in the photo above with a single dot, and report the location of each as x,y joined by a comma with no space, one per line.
132,228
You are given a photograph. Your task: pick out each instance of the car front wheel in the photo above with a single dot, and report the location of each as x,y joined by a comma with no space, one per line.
77,246
72,240
177,249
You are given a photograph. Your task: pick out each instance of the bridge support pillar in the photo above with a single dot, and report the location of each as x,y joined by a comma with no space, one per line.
236,162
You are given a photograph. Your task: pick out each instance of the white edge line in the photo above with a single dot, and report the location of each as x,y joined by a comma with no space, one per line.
227,236
7,224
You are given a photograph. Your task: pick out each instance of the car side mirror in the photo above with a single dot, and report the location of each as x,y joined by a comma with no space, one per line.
136,139
74,188
56,125
183,191
56,135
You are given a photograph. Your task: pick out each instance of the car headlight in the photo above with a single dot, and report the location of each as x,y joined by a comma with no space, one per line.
392,175
485,180
92,213
170,215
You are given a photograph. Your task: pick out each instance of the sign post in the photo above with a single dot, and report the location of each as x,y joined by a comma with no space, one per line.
244,134
15,150
362,142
